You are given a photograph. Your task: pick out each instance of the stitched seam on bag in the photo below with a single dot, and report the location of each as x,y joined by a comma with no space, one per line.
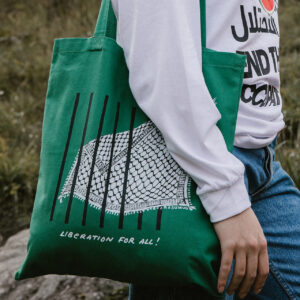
222,66
100,49
73,51
87,50
290,293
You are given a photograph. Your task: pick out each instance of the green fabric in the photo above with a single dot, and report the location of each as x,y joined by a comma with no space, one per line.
176,243
203,22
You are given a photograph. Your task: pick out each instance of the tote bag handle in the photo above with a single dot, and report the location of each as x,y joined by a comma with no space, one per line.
107,22
203,22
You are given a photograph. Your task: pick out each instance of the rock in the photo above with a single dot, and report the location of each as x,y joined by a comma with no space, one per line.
63,287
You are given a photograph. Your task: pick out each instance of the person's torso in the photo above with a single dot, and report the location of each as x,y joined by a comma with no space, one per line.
251,27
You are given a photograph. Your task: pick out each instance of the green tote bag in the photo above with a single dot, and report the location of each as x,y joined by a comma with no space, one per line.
111,201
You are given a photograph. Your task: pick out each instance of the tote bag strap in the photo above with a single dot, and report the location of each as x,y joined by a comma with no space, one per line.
107,22
203,22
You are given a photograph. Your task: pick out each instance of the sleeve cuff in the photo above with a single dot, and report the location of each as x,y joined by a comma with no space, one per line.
225,203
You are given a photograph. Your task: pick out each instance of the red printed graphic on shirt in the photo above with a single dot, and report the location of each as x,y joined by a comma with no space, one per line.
268,5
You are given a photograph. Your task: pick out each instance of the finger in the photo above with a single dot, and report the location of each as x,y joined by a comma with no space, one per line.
251,271
262,269
239,271
226,261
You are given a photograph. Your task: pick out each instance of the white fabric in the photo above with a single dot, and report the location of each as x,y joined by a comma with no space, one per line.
248,26
162,45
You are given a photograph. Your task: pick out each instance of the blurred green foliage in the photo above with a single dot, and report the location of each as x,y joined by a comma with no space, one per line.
287,150
27,32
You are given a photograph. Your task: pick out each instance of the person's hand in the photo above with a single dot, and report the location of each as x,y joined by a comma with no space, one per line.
242,237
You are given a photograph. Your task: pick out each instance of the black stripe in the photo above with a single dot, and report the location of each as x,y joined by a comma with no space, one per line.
158,219
94,160
109,167
140,218
121,218
78,161
65,155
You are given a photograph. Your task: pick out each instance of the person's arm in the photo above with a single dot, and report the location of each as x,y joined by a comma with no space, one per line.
162,45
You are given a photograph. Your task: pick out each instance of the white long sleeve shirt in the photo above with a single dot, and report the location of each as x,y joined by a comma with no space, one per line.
162,46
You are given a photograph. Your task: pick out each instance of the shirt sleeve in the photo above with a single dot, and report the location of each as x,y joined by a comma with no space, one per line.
162,46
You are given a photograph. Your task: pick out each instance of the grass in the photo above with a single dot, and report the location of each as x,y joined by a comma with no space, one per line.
27,32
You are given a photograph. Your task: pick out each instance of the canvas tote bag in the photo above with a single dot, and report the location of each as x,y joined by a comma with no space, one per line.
111,201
